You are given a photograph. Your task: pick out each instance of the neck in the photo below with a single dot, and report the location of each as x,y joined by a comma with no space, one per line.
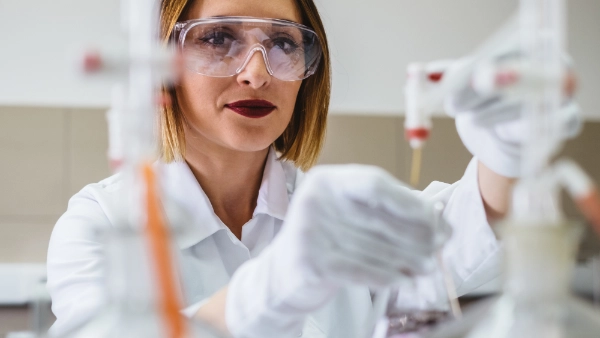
231,180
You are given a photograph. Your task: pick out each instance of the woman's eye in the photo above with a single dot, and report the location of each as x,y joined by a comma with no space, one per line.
217,39
286,44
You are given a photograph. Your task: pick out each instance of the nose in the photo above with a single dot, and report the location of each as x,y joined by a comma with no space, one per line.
254,72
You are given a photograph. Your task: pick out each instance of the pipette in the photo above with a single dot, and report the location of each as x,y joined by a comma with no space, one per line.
417,123
422,82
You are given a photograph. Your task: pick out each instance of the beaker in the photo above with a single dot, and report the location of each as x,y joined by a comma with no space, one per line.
536,300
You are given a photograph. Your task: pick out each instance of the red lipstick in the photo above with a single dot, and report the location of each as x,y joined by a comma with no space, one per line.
252,108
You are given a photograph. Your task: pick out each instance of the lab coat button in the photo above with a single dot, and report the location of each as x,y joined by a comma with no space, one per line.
300,334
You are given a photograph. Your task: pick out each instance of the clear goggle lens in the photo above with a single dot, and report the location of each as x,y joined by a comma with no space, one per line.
221,47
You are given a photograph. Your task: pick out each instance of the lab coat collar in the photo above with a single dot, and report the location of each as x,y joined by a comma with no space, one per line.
273,197
181,186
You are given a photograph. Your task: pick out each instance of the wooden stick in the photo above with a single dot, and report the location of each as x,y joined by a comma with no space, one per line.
415,171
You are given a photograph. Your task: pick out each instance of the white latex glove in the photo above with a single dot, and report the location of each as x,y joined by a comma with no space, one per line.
492,129
345,225
491,126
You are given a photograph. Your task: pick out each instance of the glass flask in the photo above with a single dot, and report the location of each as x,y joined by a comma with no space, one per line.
536,300
416,304
131,308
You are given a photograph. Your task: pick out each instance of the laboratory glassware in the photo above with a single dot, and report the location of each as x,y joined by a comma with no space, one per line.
422,83
536,299
141,283
132,306
418,302
539,243
415,305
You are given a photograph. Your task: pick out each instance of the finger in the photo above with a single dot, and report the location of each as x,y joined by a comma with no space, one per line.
571,119
367,246
372,197
409,229
511,133
344,269
498,112
385,195
466,99
370,185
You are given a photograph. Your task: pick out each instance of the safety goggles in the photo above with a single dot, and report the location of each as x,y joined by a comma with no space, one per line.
223,46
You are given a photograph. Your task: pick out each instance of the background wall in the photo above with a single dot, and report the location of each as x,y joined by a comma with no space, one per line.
371,41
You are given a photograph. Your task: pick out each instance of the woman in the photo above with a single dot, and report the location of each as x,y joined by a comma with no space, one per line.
248,114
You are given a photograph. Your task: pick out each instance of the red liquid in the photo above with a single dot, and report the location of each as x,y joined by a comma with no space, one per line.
410,325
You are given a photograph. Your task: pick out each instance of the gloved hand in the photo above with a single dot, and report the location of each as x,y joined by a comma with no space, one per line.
492,129
490,125
345,225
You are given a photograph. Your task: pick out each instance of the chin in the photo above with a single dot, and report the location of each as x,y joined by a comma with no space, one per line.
251,139
251,148
249,144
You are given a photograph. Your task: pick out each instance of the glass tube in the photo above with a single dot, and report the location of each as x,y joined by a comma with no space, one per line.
131,308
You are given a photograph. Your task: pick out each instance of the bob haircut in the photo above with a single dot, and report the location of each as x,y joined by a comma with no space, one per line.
302,140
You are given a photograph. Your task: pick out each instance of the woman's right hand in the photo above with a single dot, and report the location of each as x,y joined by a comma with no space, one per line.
358,224
349,224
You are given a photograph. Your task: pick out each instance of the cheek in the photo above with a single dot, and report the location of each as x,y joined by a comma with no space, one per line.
289,95
198,93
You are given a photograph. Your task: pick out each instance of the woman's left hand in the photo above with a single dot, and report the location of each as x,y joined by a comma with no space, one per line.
492,127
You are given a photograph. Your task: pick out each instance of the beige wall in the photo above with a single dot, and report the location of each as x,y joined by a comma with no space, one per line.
380,140
49,154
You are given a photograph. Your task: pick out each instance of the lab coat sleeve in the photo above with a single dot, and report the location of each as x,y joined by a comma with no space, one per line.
75,263
473,253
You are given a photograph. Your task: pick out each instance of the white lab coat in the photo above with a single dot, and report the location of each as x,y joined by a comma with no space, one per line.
211,253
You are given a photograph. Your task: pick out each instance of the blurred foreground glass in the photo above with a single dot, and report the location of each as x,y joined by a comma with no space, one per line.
418,302
131,308
415,305
537,301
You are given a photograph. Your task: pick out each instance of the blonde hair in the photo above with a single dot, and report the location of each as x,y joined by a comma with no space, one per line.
302,140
